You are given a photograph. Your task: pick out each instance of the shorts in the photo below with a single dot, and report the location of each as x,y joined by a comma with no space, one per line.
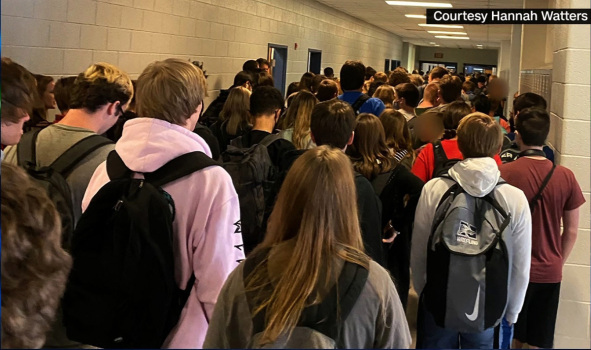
537,319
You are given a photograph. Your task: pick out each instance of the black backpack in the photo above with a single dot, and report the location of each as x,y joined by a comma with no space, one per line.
320,325
359,103
442,163
467,261
121,292
253,175
53,178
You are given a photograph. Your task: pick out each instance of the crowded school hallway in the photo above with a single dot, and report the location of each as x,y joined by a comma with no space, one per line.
292,174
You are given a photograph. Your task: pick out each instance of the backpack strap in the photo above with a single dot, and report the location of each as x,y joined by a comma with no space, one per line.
440,156
269,139
360,102
173,170
76,153
382,181
237,142
27,148
534,201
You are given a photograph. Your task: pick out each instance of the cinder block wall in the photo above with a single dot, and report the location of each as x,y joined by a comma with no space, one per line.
63,37
571,137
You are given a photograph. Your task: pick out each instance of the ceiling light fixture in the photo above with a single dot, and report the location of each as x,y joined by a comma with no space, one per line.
441,26
479,45
444,32
452,37
419,4
432,43
416,16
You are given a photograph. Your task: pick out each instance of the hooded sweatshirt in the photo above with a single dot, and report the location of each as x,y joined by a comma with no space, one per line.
478,177
207,240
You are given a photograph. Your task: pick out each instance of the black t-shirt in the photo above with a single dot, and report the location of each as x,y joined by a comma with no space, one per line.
370,218
211,141
218,129
277,150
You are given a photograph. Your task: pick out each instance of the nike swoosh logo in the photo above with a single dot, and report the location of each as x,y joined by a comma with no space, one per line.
474,314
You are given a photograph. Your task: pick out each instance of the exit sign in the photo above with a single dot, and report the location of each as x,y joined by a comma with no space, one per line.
438,54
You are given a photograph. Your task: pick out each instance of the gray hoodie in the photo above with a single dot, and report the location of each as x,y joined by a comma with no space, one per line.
478,177
372,323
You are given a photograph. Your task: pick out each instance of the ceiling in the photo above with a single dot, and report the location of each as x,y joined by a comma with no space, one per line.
392,19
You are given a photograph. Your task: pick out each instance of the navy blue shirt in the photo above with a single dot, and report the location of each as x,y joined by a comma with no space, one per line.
374,105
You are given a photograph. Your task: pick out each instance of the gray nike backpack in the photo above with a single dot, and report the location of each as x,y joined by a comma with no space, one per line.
467,262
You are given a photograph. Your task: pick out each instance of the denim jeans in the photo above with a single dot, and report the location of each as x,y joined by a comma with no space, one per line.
435,337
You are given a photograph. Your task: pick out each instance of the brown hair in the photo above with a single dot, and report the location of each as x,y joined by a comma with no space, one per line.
417,80
34,265
18,91
307,81
100,84
317,209
386,94
298,117
381,77
62,92
170,90
450,88
431,93
328,89
236,110
479,135
438,73
398,76
370,153
396,131
332,123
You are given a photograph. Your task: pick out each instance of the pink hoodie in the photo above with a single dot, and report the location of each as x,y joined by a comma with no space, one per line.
207,237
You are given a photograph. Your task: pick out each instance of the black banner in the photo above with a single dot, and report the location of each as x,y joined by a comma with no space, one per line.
509,16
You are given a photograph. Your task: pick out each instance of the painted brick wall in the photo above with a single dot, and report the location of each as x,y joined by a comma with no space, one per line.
571,137
63,37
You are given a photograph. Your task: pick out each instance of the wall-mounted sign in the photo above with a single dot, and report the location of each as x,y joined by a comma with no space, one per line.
438,55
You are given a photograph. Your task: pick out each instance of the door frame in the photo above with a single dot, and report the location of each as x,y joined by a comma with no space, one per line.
284,70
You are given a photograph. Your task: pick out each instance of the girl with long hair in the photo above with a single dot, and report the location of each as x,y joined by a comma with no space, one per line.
234,118
44,101
313,237
398,137
398,189
296,123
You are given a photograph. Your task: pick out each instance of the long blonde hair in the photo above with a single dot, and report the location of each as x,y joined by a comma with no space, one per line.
298,117
317,208
236,110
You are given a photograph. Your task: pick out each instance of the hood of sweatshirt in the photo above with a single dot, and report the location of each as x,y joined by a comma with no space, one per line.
147,143
477,176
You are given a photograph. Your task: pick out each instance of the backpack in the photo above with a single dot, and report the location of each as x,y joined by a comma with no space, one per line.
359,103
379,183
467,262
121,292
52,178
319,326
442,163
253,175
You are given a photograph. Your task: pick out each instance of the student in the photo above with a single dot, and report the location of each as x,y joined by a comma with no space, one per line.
352,78
369,73
263,65
318,78
100,95
18,96
291,90
312,240
398,190
427,165
62,92
264,79
307,81
380,77
398,137
481,86
387,94
251,66
398,76
234,118
333,124
296,124
554,196
212,113
44,101
450,90
479,138
207,216
430,99
407,99
327,90
34,265
468,88
266,104
436,74
329,73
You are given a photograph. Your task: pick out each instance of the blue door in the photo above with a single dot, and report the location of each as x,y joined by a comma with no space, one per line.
278,59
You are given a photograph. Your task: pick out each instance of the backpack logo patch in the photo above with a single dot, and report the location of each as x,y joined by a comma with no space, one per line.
466,234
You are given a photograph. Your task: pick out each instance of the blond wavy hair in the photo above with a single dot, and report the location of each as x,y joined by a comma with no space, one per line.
34,265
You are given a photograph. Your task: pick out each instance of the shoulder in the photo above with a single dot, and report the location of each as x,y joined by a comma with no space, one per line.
379,279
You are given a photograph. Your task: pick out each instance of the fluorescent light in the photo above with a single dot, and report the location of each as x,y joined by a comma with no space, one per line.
441,26
479,45
416,16
432,43
444,32
452,37
419,3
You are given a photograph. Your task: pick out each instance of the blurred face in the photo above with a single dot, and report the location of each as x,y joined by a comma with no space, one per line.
265,68
12,132
49,97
